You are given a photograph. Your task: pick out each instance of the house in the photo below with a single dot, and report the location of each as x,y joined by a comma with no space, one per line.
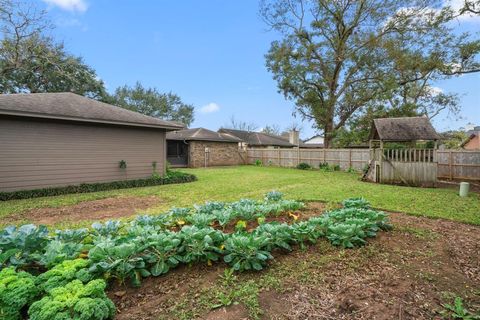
201,147
59,139
473,140
252,139
314,142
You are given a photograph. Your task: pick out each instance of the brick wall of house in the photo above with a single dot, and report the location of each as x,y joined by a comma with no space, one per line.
221,154
473,144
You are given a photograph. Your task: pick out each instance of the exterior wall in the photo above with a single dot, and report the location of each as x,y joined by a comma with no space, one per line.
40,154
315,140
473,144
221,154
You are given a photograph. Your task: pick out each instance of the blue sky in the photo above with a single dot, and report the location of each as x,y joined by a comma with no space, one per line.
209,52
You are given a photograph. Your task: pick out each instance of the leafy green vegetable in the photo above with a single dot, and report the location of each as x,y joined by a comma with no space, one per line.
63,273
17,290
118,261
74,301
247,251
162,252
22,246
200,244
356,203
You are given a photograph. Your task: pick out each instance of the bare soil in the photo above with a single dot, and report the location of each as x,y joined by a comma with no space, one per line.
407,273
110,208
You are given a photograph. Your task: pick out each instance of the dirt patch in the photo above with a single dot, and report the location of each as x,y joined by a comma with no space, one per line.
110,208
407,273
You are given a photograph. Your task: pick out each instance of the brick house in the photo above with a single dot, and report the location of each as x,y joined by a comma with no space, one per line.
201,147
473,141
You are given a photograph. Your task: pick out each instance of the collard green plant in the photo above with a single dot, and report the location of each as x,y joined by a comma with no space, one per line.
22,246
200,244
279,235
356,203
273,196
161,252
245,251
17,291
74,301
118,261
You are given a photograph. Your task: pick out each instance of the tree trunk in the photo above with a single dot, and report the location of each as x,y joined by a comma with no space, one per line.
328,133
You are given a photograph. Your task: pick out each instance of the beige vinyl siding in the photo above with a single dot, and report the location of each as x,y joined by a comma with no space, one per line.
39,154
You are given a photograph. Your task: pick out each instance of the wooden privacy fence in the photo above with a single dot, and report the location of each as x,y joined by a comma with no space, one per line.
458,164
345,158
452,164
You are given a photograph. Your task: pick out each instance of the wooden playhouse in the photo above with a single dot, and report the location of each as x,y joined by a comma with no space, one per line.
403,151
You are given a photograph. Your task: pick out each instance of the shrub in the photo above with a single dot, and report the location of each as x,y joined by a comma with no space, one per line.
17,290
303,166
258,162
170,178
74,301
336,167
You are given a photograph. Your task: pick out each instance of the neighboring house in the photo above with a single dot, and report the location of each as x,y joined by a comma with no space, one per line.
252,139
473,140
58,139
200,147
313,142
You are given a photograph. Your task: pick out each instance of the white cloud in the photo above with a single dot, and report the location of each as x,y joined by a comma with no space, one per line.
68,5
211,107
435,90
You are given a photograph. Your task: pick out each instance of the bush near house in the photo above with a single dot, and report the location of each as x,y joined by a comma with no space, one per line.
170,178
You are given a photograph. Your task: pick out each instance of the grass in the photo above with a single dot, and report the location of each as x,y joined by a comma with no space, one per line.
233,183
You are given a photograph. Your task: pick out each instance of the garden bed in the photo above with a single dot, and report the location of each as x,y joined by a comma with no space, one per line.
408,273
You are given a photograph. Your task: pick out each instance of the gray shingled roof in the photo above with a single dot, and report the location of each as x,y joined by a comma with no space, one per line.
258,138
201,134
403,129
73,107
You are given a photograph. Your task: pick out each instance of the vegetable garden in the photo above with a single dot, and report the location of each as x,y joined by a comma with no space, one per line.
63,274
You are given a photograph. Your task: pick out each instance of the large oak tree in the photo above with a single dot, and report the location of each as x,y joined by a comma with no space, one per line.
336,58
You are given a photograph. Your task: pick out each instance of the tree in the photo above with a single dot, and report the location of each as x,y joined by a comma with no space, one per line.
241,125
32,62
273,129
453,139
336,58
471,6
151,102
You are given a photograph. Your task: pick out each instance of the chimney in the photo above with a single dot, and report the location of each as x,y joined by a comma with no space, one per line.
294,137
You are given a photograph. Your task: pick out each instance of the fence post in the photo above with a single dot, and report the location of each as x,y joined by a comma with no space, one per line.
298,156
450,162
350,159
279,158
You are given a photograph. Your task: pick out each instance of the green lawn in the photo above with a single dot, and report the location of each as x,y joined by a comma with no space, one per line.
233,183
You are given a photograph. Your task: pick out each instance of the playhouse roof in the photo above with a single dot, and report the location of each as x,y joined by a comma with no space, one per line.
403,129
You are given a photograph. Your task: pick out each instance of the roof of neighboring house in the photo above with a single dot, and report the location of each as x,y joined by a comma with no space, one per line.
403,129
201,134
258,138
470,137
73,107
